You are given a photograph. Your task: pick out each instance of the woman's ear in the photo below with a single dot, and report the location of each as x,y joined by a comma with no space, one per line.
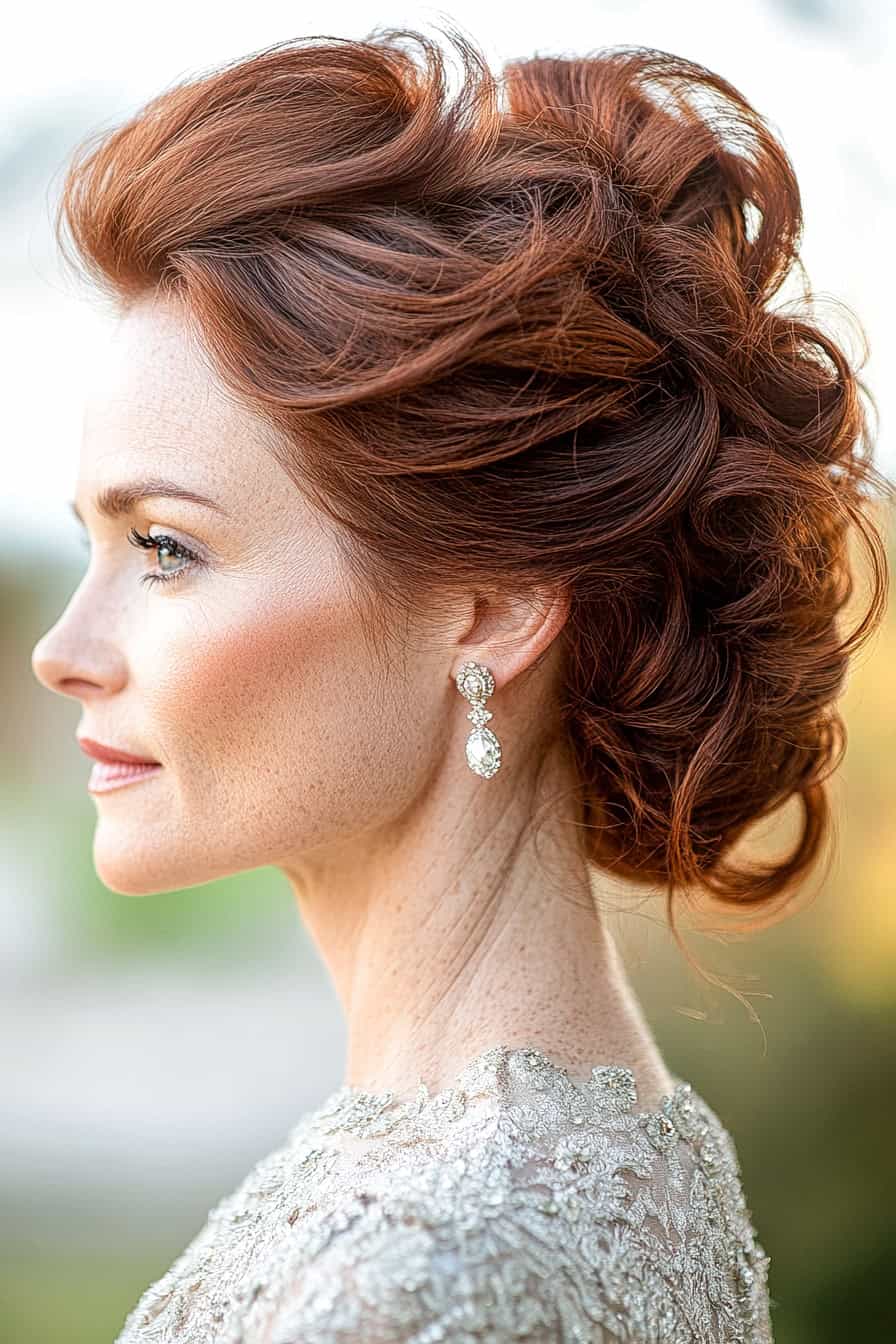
510,632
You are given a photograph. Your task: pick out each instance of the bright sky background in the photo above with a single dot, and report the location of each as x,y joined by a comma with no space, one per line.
821,71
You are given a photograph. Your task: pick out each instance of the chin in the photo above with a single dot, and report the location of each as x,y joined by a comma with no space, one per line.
128,874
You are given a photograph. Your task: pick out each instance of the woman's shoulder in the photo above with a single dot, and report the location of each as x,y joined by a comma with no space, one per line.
523,1203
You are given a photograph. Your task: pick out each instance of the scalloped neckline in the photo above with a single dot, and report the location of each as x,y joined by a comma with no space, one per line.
526,1055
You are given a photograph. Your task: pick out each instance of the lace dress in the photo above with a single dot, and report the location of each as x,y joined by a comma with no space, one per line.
520,1204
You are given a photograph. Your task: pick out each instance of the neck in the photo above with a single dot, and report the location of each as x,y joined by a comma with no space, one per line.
472,922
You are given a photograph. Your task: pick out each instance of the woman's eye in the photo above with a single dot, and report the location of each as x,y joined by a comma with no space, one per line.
166,548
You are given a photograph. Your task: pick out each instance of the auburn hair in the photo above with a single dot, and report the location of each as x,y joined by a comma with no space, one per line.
520,333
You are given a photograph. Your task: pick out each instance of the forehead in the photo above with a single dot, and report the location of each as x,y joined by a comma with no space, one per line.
155,407
152,375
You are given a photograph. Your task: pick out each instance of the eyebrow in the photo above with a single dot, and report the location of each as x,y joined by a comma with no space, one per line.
115,501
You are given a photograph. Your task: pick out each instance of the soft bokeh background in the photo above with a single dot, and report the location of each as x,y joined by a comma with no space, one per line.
154,1048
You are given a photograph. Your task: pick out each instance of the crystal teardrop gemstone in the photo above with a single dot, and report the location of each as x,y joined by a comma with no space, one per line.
483,752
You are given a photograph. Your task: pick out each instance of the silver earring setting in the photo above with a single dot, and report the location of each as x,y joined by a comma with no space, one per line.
476,684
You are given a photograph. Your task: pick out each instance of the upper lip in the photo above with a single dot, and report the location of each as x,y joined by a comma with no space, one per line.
111,754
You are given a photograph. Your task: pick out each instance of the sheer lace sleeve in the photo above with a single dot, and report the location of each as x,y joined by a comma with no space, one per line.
550,1224
400,1272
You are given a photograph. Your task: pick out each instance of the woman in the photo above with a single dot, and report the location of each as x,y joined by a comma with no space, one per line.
505,535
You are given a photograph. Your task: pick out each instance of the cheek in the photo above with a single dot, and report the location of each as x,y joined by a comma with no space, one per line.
278,713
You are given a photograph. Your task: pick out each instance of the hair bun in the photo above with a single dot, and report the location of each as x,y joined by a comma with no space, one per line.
708,658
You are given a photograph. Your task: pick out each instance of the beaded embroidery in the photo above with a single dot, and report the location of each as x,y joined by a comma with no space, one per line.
520,1204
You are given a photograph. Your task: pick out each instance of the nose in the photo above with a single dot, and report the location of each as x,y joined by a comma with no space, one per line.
54,670
73,668
53,673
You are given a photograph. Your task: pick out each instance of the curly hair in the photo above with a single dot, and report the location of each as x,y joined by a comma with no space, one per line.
526,325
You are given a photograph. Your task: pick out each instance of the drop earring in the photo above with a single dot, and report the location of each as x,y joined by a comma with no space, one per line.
476,684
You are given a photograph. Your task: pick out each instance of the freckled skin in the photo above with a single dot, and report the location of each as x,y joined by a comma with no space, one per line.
449,916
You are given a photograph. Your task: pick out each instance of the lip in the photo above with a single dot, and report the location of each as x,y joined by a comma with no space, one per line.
104,777
111,755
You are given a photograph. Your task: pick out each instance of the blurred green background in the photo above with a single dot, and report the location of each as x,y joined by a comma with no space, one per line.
154,1048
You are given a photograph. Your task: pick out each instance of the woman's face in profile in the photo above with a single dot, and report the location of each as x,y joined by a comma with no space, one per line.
243,671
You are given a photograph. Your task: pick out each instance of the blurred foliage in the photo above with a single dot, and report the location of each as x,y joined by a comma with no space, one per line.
79,1297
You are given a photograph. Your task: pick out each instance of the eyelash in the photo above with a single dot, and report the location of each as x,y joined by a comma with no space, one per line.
175,547
153,544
